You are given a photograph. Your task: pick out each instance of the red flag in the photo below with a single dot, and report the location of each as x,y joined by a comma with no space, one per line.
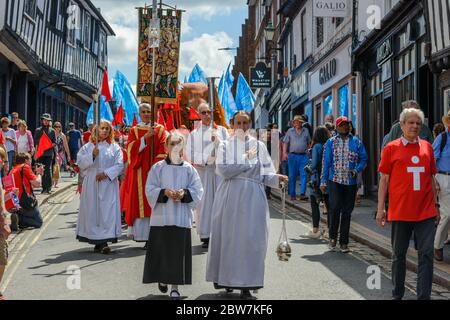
193,114
44,144
105,87
169,123
161,118
135,123
119,116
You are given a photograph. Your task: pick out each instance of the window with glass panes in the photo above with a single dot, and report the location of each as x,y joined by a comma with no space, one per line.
405,65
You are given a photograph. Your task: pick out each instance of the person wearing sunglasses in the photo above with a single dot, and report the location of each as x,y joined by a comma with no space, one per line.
200,151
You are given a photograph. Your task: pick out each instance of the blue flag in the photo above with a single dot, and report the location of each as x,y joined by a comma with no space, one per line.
197,75
229,76
105,112
124,94
228,102
245,99
220,87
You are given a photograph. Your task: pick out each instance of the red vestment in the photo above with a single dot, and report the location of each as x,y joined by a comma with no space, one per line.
134,201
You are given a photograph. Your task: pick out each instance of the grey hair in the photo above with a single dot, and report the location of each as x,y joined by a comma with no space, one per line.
203,104
410,104
406,113
144,106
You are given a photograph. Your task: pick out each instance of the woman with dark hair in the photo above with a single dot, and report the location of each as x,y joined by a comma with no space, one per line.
320,137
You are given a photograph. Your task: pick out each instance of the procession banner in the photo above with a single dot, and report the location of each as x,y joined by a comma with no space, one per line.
167,56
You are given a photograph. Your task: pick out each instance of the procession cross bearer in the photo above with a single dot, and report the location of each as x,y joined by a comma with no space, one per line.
140,161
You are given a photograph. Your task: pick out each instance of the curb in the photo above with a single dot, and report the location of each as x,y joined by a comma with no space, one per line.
13,236
439,277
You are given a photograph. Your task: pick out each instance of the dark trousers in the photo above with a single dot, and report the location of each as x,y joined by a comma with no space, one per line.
400,237
342,202
47,178
316,210
30,218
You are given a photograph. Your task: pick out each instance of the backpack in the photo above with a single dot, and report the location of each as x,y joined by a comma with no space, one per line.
443,141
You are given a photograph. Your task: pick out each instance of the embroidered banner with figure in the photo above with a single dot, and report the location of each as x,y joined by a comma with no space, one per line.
166,56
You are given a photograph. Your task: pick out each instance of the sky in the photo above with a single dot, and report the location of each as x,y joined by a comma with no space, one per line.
206,26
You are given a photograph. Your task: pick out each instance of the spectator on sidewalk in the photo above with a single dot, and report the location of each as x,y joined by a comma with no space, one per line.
75,141
297,140
24,177
396,130
24,138
307,125
87,134
344,157
47,158
9,136
62,151
441,148
321,135
15,121
438,129
5,231
407,170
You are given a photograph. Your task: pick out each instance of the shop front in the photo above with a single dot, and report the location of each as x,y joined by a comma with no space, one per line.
332,86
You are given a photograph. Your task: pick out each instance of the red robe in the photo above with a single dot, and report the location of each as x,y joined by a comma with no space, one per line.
133,197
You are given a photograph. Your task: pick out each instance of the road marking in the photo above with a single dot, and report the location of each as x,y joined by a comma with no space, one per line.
47,219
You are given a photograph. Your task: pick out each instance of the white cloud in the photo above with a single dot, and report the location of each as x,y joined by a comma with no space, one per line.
204,51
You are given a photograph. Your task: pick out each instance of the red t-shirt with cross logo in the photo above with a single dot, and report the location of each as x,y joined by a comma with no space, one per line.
410,168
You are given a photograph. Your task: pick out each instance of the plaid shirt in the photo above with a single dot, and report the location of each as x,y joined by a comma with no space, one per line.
341,155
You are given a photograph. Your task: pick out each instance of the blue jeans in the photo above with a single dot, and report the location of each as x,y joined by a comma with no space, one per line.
296,166
284,167
10,160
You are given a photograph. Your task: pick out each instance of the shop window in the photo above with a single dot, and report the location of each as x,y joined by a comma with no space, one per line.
343,101
375,84
308,112
318,120
319,31
406,89
327,105
446,100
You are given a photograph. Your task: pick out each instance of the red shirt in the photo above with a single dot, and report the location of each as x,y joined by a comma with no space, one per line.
410,168
28,176
2,140
86,136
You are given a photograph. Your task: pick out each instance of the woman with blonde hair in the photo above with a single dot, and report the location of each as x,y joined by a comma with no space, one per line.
101,163
25,142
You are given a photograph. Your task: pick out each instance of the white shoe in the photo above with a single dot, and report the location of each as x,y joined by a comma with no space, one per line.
313,235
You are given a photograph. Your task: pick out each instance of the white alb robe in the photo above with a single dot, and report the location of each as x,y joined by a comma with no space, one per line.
239,231
99,216
165,176
198,148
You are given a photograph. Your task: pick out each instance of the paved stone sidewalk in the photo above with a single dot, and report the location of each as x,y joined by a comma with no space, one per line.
365,231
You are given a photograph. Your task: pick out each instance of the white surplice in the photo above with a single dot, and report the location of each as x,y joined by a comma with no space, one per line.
239,230
198,148
99,217
165,176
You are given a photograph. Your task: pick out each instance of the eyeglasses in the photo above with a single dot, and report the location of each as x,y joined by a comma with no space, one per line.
204,113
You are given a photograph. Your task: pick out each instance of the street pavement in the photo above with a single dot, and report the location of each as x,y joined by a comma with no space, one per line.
42,263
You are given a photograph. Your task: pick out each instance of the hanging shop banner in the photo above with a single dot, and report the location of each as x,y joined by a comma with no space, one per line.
332,8
260,76
166,57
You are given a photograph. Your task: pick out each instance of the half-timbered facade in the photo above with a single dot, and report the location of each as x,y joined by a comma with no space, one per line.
52,56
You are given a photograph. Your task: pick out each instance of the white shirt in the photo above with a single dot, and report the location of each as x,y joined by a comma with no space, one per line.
9,145
22,144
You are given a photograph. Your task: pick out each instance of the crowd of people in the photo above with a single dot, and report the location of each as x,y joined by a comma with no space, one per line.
160,184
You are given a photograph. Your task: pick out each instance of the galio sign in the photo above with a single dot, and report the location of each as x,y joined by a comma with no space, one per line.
331,8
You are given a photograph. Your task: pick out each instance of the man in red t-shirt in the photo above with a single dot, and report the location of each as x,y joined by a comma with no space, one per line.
407,170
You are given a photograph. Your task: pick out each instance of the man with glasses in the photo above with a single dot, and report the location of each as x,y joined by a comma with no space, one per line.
140,161
15,121
201,149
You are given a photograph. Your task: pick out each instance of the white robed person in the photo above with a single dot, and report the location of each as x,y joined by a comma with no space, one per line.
99,217
173,190
239,230
201,150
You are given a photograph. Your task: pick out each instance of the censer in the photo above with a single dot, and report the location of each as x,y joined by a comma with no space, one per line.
283,249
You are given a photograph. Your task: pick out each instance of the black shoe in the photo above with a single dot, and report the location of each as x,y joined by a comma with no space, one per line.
104,249
163,287
14,222
205,245
97,248
228,290
246,295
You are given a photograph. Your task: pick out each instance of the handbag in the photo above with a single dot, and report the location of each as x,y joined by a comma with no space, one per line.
27,201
